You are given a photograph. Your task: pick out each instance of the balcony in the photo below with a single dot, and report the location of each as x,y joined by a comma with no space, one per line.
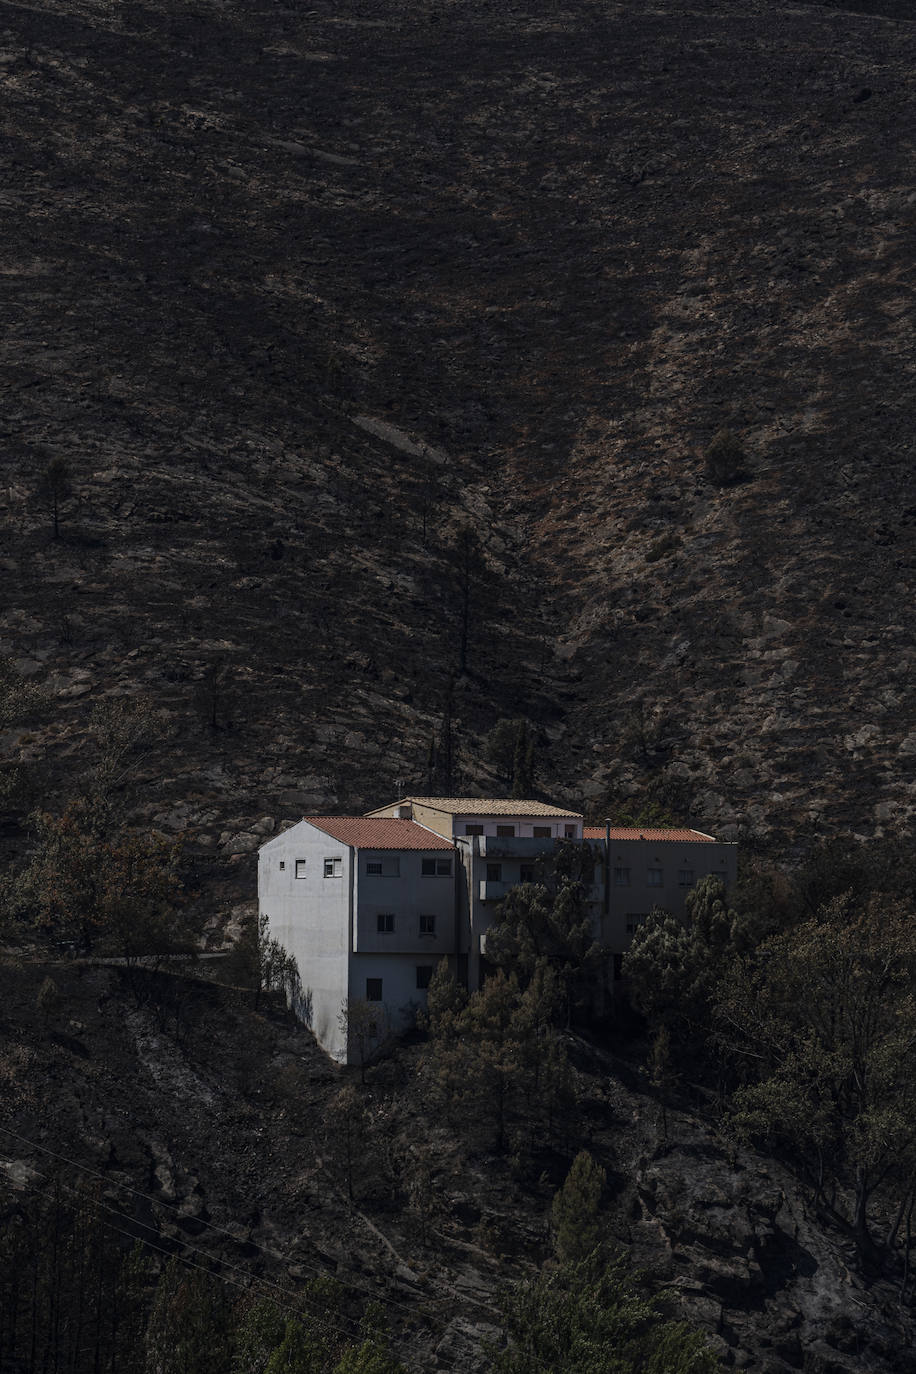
492,892
512,847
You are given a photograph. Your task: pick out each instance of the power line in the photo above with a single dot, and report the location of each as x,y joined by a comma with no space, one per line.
354,1333
393,1303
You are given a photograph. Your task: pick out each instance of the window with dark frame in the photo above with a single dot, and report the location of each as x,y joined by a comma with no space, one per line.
333,868
685,877
427,925
621,877
436,868
300,868
655,877
373,868
373,989
526,873
542,832
385,922
494,873
424,976
282,865
507,832
473,829
570,832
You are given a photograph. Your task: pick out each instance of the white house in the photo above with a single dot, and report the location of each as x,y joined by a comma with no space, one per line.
368,905
367,909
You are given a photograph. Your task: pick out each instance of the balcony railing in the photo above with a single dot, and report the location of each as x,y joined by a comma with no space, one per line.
493,892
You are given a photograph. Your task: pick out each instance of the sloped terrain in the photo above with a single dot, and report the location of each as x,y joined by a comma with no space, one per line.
221,1144
299,292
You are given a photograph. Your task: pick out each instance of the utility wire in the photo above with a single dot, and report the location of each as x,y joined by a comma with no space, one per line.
393,1303
348,1334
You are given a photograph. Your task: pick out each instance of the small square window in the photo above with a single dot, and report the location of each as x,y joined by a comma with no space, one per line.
427,925
570,832
300,868
685,877
655,877
541,832
332,868
621,877
373,868
506,831
494,873
473,830
373,989
385,922
424,976
444,868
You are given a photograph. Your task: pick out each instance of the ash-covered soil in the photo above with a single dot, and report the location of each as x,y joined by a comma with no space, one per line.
221,1144
297,292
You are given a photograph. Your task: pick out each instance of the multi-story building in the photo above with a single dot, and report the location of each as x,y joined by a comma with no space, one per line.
497,842
368,905
639,869
367,909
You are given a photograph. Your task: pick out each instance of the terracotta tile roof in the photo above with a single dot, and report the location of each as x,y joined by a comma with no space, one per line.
629,832
382,833
490,806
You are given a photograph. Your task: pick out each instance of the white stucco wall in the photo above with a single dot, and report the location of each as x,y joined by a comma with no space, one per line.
311,918
408,896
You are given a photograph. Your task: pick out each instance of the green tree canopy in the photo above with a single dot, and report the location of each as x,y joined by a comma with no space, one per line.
575,1213
823,1017
592,1318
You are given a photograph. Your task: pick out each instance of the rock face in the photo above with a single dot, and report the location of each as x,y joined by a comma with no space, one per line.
297,297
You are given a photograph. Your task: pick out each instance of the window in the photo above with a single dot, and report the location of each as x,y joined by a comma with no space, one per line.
634,921
526,873
494,873
506,831
570,832
332,867
424,974
385,922
436,868
427,925
373,989
383,866
655,877
621,877
685,877
282,865
300,868
473,830
541,832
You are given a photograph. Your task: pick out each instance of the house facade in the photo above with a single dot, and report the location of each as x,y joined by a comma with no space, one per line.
367,908
369,905
639,869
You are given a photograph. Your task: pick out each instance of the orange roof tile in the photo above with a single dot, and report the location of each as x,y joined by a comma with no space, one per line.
488,806
379,833
629,832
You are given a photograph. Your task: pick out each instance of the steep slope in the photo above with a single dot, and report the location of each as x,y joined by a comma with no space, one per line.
224,1145
298,293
